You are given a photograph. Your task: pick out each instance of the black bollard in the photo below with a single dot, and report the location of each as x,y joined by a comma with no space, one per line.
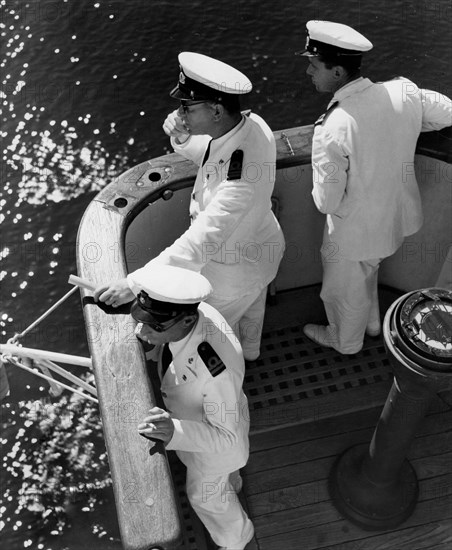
375,486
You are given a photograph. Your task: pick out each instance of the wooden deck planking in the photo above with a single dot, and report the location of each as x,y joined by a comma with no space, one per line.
426,537
330,426
291,508
311,410
318,510
286,497
325,531
328,438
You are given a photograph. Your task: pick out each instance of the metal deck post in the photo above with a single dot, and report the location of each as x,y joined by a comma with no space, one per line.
375,486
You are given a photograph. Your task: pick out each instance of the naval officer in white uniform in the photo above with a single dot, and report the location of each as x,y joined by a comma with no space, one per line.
362,158
234,238
206,420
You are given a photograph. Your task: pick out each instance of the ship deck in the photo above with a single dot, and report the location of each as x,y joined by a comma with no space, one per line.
307,405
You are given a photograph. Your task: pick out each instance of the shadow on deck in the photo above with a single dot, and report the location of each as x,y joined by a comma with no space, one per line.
307,405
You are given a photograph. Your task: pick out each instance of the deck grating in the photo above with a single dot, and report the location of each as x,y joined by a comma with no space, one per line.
297,381
309,371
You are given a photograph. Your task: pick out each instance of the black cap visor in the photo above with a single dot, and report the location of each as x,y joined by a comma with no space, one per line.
192,90
142,316
315,48
148,310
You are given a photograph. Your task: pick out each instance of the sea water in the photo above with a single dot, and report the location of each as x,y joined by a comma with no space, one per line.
84,93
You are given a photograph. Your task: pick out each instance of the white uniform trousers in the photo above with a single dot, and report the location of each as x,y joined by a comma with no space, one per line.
350,296
214,499
245,315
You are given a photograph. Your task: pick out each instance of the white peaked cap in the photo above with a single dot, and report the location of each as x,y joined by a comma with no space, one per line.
335,35
203,77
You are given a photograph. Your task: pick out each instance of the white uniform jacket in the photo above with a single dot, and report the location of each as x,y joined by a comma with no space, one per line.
206,402
363,165
234,238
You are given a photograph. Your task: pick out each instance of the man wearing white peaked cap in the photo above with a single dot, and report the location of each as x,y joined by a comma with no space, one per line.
201,368
234,239
360,148
202,77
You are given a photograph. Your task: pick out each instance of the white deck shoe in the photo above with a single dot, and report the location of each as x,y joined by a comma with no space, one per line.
373,330
320,334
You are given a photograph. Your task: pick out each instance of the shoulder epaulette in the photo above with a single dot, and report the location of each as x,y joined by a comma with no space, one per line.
211,359
323,117
235,166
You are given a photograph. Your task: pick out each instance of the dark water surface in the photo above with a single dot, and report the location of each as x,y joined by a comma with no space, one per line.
84,94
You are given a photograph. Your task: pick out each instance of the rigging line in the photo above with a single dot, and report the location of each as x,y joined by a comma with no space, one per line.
55,390
47,313
13,350
63,372
40,375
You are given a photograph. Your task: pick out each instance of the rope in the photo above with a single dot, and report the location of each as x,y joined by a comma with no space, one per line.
55,390
53,366
49,379
45,314
46,364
